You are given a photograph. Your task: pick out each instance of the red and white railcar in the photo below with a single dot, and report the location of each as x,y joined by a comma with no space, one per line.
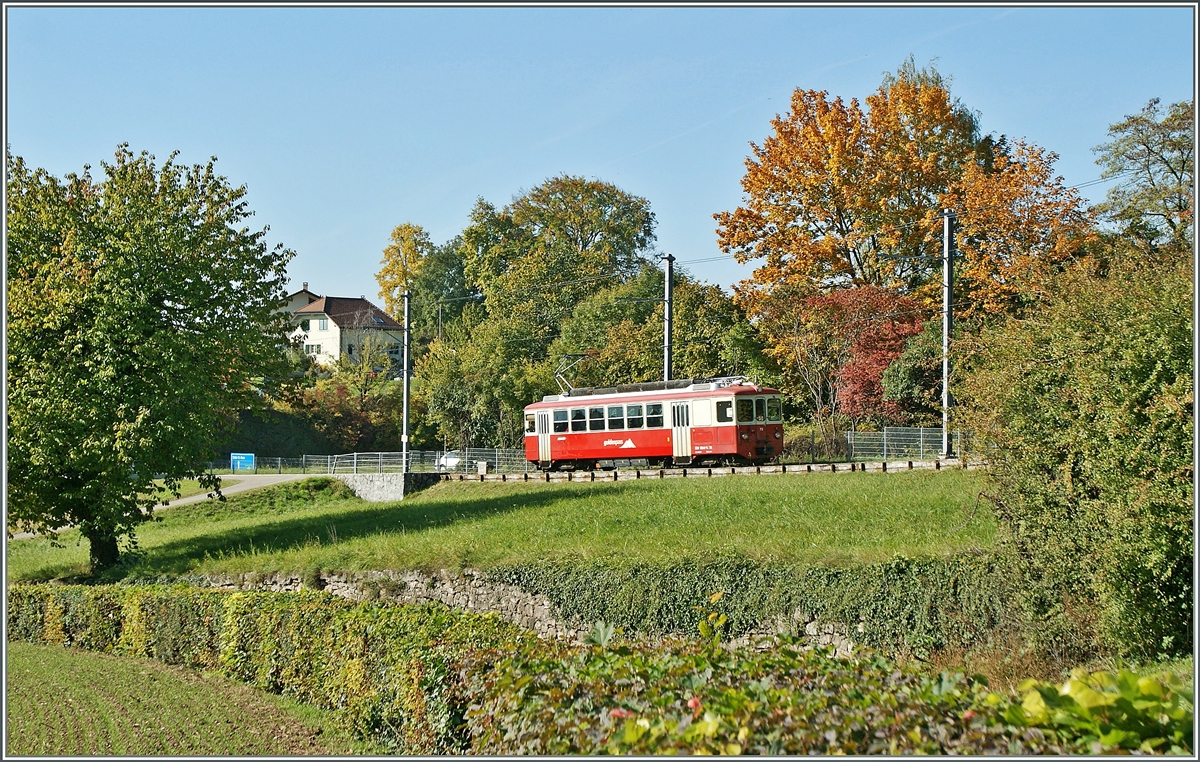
695,422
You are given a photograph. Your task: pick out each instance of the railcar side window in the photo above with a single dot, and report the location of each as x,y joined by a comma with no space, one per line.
774,409
633,416
531,423
616,417
654,416
560,420
724,411
745,410
760,409
595,419
578,419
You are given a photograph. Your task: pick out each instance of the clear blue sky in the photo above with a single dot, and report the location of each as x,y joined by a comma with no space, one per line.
344,122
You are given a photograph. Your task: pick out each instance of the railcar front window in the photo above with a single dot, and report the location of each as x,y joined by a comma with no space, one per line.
724,411
616,417
531,423
595,419
774,409
654,415
579,419
560,421
745,410
633,416
760,409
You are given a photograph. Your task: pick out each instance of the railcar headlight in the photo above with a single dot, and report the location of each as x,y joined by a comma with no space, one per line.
745,436
779,435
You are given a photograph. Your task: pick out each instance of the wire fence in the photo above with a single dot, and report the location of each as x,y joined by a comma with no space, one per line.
465,461
903,443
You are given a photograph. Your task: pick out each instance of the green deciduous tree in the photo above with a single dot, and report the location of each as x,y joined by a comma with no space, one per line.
1153,153
142,315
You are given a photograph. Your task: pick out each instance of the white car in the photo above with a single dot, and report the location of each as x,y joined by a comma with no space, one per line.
449,461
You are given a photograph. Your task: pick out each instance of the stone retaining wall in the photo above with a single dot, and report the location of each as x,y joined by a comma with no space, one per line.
386,488
469,590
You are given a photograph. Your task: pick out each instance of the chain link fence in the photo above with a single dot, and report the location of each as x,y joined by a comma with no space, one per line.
902,443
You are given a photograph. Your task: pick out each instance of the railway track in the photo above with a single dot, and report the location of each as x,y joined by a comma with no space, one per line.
630,474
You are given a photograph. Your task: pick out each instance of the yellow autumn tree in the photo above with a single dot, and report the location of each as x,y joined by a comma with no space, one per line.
402,260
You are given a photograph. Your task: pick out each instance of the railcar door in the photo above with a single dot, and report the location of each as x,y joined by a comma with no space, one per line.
681,433
543,435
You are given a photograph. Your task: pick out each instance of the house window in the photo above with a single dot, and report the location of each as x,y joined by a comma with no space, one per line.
312,349
349,349
304,325
323,324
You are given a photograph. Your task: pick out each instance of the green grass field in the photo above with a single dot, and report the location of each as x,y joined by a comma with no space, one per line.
65,702
808,518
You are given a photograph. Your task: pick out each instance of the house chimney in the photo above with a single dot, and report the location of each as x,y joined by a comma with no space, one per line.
362,296
305,287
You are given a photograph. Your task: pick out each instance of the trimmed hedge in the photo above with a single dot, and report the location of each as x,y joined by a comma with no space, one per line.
427,679
906,605
388,672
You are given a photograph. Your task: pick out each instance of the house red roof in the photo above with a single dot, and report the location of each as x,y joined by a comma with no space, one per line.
347,312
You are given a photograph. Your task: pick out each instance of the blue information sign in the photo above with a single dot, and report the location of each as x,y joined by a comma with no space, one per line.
241,461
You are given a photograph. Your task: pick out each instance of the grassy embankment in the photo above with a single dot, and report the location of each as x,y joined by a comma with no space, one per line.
827,519
65,702
187,488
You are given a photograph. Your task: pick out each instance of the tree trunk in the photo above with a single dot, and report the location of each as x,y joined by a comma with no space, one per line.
104,552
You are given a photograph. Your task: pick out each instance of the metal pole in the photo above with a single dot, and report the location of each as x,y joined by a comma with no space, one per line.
404,434
947,323
667,318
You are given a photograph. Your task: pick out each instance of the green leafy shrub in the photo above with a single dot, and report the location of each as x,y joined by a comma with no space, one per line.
694,697
906,605
1088,411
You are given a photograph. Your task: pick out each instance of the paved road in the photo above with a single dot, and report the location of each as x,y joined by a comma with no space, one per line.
245,482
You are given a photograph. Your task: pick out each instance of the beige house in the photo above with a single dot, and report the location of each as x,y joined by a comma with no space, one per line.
332,327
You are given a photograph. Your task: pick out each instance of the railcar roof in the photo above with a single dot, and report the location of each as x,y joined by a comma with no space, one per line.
686,390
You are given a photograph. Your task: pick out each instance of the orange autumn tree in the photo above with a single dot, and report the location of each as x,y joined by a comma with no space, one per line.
1017,227
847,196
838,193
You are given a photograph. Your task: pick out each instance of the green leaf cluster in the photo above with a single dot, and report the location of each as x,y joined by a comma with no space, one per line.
1110,714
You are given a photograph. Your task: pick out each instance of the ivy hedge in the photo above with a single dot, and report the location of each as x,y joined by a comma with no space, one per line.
427,679
905,605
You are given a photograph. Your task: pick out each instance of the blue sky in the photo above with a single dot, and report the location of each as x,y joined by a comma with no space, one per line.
344,122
